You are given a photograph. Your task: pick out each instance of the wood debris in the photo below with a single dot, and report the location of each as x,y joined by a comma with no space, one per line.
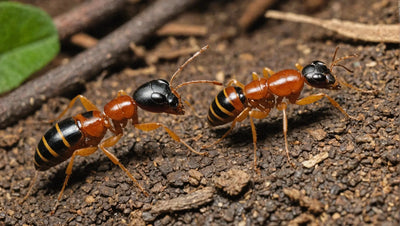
84,40
140,71
371,33
173,54
254,10
86,15
317,134
152,57
232,182
315,160
175,29
304,219
313,205
190,201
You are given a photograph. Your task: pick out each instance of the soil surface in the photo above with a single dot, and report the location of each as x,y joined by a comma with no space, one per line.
356,177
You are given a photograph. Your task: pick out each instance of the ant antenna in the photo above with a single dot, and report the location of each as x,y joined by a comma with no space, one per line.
334,56
199,81
344,67
191,82
335,62
341,81
173,90
188,61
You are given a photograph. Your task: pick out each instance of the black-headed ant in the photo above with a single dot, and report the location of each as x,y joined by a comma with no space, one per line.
83,134
237,101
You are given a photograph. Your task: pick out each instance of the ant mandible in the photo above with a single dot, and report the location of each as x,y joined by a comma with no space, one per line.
83,134
237,101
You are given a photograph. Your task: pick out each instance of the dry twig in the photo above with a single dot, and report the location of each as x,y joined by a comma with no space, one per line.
86,15
254,10
28,97
141,71
84,40
365,32
154,57
191,201
182,29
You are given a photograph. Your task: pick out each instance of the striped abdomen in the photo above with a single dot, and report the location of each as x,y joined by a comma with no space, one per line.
55,145
226,106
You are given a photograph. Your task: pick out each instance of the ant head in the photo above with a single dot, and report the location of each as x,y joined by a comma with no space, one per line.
318,75
157,96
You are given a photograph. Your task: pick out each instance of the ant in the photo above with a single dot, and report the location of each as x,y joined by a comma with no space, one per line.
237,101
83,134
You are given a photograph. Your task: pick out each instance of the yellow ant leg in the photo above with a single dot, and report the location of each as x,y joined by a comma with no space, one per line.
299,67
258,115
153,126
316,97
282,107
255,76
87,104
342,82
267,72
236,83
122,92
242,116
109,142
81,152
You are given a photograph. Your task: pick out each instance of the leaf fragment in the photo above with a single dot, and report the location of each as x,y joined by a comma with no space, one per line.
28,41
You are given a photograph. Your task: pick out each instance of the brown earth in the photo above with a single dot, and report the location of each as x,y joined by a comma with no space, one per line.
357,181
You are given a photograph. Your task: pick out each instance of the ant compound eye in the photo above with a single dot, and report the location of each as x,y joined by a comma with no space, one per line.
330,79
158,98
174,102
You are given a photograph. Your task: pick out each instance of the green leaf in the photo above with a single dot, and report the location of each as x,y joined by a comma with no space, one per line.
28,41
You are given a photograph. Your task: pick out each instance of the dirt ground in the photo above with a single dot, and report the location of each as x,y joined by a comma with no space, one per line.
356,180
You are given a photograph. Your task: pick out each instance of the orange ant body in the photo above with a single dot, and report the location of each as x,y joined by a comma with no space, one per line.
83,134
237,101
